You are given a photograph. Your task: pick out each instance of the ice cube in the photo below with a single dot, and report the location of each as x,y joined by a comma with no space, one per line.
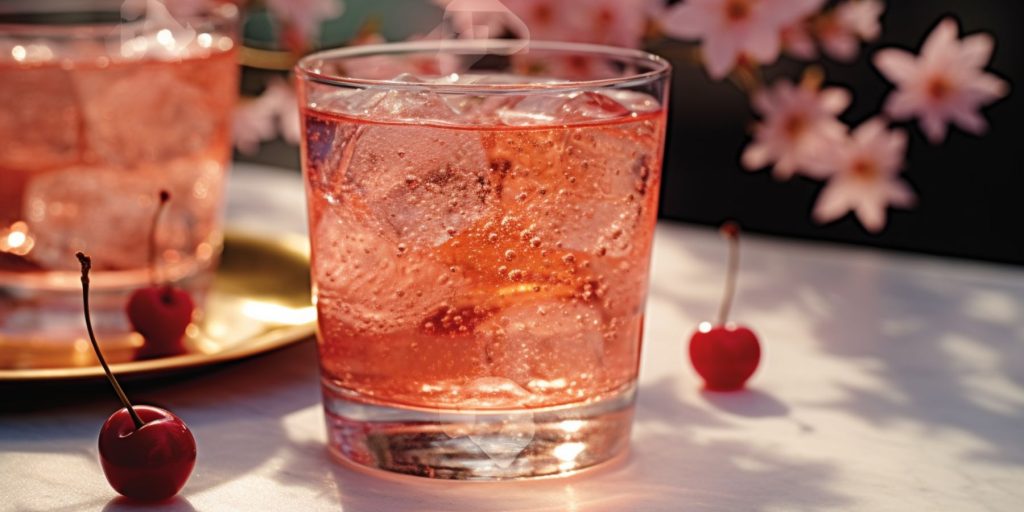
546,109
140,114
107,212
39,119
586,188
634,101
39,130
422,184
544,346
368,284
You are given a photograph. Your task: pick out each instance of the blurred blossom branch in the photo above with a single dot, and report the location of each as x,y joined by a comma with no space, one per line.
799,130
261,119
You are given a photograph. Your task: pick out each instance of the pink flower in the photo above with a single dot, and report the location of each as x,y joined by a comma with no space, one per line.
305,16
613,22
261,119
842,30
946,83
866,181
546,19
732,29
799,128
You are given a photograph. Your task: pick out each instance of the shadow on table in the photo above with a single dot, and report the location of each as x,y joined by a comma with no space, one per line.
937,344
668,468
237,412
175,504
750,403
964,372
234,411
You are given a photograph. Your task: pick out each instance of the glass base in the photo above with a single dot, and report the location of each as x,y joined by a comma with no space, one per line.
475,444
45,310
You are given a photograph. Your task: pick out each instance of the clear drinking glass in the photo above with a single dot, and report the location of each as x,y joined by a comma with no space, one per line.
481,216
97,115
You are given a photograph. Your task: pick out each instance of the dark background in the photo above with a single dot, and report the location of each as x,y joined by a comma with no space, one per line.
970,189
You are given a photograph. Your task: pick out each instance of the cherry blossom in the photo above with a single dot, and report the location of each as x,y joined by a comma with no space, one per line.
866,179
732,29
275,111
546,19
302,18
945,84
842,30
799,127
613,22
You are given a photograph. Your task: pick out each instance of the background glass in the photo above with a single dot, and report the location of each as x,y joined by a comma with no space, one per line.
98,113
481,215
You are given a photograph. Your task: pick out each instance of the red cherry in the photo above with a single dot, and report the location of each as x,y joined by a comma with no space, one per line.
146,453
724,355
160,314
149,463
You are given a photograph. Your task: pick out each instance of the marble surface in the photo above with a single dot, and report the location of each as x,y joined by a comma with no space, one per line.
890,382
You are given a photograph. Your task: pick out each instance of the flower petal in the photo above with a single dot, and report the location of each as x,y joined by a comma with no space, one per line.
786,168
898,66
835,100
900,195
942,41
869,131
871,212
834,201
764,44
720,55
976,50
969,120
841,46
797,42
902,105
686,21
987,88
757,156
934,127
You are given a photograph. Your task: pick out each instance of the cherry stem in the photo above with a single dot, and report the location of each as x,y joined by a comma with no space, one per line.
164,197
731,231
86,266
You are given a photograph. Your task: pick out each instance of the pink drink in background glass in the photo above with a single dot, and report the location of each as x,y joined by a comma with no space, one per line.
480,263
96,119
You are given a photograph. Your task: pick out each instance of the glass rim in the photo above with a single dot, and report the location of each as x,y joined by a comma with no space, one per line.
226,13
308,66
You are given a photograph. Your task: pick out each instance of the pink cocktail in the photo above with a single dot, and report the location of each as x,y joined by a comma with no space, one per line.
480,242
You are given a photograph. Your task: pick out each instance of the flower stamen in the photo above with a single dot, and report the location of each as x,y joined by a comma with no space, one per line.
864,170
794,126
738,10
939,88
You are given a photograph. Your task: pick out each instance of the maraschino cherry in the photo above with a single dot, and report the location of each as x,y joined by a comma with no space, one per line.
147,453
726,354
160,313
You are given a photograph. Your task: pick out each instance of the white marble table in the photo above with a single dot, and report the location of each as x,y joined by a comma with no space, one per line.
890,382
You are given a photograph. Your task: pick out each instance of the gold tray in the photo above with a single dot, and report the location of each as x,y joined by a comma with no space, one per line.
259,301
